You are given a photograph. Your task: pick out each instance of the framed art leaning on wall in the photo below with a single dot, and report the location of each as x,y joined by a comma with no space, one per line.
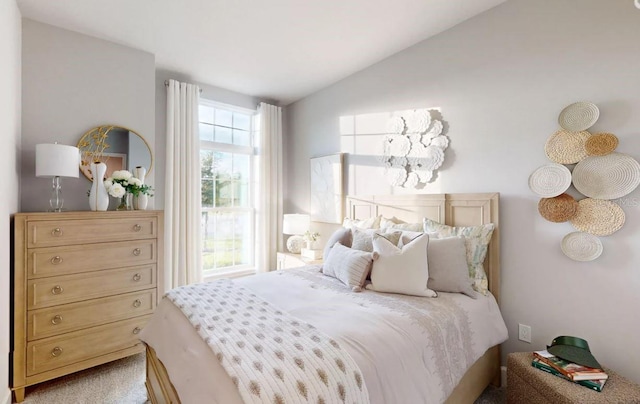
326,188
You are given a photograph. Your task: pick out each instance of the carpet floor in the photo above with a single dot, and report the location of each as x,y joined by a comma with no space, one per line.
122,382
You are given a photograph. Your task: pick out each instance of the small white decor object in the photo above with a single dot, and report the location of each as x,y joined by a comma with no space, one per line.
413,149
580,246
550,180
610,176
98,196
598,217
578,116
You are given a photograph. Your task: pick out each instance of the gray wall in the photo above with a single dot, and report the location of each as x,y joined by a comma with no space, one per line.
500,80
71,83
10,81
209,92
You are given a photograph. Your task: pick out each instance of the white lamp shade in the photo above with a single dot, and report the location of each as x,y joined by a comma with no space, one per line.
57,160
295,223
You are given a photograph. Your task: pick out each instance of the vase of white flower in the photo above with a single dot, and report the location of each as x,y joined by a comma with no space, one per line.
98,197
122,184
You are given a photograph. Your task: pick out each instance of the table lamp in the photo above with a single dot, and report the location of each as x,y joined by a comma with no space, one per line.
55,161
295,224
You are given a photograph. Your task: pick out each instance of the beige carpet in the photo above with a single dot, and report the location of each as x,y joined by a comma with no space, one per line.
122,382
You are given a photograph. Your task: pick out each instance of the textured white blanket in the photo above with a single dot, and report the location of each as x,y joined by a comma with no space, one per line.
271,356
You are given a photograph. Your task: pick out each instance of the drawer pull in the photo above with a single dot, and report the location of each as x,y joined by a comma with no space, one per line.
136,251
57,319
137,227
136,277
56,290
137,303
57,232
56,260
57,351
136,330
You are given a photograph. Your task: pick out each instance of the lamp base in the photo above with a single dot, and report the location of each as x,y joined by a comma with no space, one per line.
294,244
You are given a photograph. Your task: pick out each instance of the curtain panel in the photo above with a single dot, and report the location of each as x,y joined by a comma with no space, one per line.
183,248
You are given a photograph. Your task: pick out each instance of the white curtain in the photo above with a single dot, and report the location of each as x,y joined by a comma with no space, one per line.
269,206
182,195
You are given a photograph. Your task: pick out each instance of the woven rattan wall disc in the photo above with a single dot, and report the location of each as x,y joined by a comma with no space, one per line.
559,209
607,177
598,217
578,116
550,180
580,246
566,147
601,144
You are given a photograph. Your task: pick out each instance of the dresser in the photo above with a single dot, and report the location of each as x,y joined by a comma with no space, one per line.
84,285
289,260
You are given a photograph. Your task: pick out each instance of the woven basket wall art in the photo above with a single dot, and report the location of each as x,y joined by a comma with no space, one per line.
581,246
598,217
601,144
558,209
607,177
566,147
550,180
578,116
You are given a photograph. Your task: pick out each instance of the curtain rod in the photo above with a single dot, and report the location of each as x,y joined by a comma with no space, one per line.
166,84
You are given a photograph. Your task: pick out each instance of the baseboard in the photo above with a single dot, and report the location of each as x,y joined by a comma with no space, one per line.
503,376
7,397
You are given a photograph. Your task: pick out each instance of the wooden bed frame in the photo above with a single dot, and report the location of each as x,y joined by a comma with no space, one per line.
451,209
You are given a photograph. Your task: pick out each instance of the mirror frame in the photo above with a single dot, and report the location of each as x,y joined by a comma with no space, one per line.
86,137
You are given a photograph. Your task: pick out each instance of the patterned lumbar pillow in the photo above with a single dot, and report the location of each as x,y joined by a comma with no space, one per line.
476,242
363,239
370,223
402,270
350,266
342,235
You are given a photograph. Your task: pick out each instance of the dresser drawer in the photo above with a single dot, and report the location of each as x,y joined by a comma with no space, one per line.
46,233
54,261
55,352
71,317
47,292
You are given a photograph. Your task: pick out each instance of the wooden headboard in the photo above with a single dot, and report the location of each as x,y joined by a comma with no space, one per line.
450,209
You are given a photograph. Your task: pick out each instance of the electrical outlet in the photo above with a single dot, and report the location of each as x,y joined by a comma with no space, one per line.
524,333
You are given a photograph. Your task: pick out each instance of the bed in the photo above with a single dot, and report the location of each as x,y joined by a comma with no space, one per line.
182,368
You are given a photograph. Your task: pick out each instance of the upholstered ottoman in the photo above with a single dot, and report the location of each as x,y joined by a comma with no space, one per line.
528,385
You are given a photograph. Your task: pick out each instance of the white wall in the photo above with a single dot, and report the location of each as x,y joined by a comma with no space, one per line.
500,80
72,83
10,39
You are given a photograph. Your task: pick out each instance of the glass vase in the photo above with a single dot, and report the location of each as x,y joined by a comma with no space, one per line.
125,202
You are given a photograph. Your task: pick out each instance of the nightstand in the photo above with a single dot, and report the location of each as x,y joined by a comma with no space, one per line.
288,260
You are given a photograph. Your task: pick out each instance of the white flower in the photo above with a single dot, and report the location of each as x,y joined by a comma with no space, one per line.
398,161
108,183
396,176
396,145
121,175
418,121
134,181
412,180
440,141
396,125
424,175
435,130
116,190
433,159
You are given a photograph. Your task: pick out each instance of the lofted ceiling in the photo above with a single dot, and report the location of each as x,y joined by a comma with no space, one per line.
281,50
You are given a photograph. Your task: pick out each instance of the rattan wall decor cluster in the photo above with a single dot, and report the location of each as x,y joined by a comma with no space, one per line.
600,174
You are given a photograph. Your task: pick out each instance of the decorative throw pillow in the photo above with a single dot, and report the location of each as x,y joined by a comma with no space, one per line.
476,241
386,221
416,227
370,223
403,270
350,266
448,270
342,235
363,239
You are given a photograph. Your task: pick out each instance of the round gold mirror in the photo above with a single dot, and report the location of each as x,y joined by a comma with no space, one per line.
118,147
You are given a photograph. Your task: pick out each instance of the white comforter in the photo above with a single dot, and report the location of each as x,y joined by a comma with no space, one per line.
409,349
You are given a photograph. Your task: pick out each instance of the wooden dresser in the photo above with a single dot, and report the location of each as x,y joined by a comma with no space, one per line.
84,285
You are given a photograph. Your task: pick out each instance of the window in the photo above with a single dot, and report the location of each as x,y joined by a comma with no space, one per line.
226,165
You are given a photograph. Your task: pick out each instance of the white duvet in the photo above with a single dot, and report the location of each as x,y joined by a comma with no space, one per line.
409,349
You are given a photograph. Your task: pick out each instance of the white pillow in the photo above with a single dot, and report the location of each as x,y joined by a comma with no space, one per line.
403,270
350,266
370,223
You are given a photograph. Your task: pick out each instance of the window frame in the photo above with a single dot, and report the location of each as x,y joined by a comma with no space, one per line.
208,145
